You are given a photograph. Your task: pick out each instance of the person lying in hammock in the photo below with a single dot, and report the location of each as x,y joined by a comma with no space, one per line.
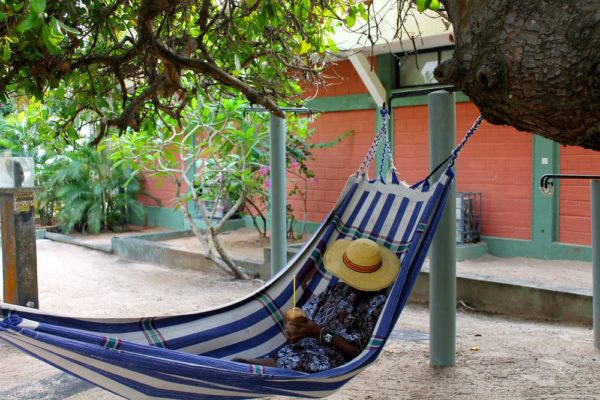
340,320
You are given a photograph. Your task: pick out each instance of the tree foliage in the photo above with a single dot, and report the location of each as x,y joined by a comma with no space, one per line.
112,63
218,164
95,195
30,133
79,186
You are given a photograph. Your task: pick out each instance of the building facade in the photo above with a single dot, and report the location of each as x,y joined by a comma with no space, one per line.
500,163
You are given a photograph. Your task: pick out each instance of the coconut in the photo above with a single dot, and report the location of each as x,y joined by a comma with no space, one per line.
295,314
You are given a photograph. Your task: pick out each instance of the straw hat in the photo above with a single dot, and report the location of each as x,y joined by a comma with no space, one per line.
362,264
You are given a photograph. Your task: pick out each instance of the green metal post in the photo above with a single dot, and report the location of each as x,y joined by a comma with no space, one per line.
595,200
278,193
442,278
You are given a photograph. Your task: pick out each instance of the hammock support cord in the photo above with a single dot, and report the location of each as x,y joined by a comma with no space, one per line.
381,136
454,154
189,356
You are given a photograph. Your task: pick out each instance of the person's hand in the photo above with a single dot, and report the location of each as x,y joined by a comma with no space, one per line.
295,331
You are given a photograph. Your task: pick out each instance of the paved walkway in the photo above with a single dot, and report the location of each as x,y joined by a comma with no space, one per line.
551,274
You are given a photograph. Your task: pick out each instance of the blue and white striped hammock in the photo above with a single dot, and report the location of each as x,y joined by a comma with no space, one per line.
188,356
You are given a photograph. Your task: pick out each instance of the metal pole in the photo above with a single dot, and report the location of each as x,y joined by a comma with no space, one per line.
278,194
442,278
595,201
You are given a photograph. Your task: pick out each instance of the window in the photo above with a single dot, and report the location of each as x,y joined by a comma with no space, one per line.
416,68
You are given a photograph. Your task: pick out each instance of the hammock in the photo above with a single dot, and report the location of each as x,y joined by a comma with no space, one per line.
188,356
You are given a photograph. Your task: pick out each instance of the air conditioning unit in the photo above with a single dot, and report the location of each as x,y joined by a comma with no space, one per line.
468,217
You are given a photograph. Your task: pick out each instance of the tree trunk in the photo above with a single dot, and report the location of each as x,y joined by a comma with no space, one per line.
534,65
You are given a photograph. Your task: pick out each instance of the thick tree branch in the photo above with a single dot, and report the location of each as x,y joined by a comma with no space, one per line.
149,10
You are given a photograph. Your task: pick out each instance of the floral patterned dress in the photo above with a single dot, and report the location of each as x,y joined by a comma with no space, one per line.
342,311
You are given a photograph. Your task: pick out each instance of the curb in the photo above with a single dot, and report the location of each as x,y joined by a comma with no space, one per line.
520,299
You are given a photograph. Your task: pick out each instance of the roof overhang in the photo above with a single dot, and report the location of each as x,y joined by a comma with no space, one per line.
418,31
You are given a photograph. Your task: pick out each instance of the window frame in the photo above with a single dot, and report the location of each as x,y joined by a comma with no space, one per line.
398,57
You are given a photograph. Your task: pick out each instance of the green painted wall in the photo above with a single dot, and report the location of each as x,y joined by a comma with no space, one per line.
341,103
165,217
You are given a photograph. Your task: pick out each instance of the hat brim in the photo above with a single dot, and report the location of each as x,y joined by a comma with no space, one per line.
372,281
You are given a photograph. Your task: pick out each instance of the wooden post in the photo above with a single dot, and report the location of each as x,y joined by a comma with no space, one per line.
19,257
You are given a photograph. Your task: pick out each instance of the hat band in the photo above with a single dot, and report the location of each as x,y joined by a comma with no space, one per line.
360,268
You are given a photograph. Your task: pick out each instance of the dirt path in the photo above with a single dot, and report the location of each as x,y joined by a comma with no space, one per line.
497,358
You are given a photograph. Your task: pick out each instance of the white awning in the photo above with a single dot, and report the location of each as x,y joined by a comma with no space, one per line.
427,29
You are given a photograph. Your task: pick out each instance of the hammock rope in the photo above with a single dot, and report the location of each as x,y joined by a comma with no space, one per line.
382,135
189,356
451,159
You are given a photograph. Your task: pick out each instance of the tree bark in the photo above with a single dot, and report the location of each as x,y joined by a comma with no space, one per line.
533,65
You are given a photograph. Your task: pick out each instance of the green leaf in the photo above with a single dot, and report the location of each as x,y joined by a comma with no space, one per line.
38,6
362,11
18,6
55,32
6,53
103,104
332,45
49,41
32,21
422,5
435,5
304,47
350,20
66,27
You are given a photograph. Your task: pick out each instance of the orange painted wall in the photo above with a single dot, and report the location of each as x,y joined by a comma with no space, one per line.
333,166
498,163
574,206
161,191
342,80
158,189
495,162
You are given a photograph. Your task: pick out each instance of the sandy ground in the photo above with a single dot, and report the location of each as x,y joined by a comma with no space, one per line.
496,358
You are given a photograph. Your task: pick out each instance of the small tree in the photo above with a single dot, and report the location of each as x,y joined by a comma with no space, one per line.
220,159
95,194
208,159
